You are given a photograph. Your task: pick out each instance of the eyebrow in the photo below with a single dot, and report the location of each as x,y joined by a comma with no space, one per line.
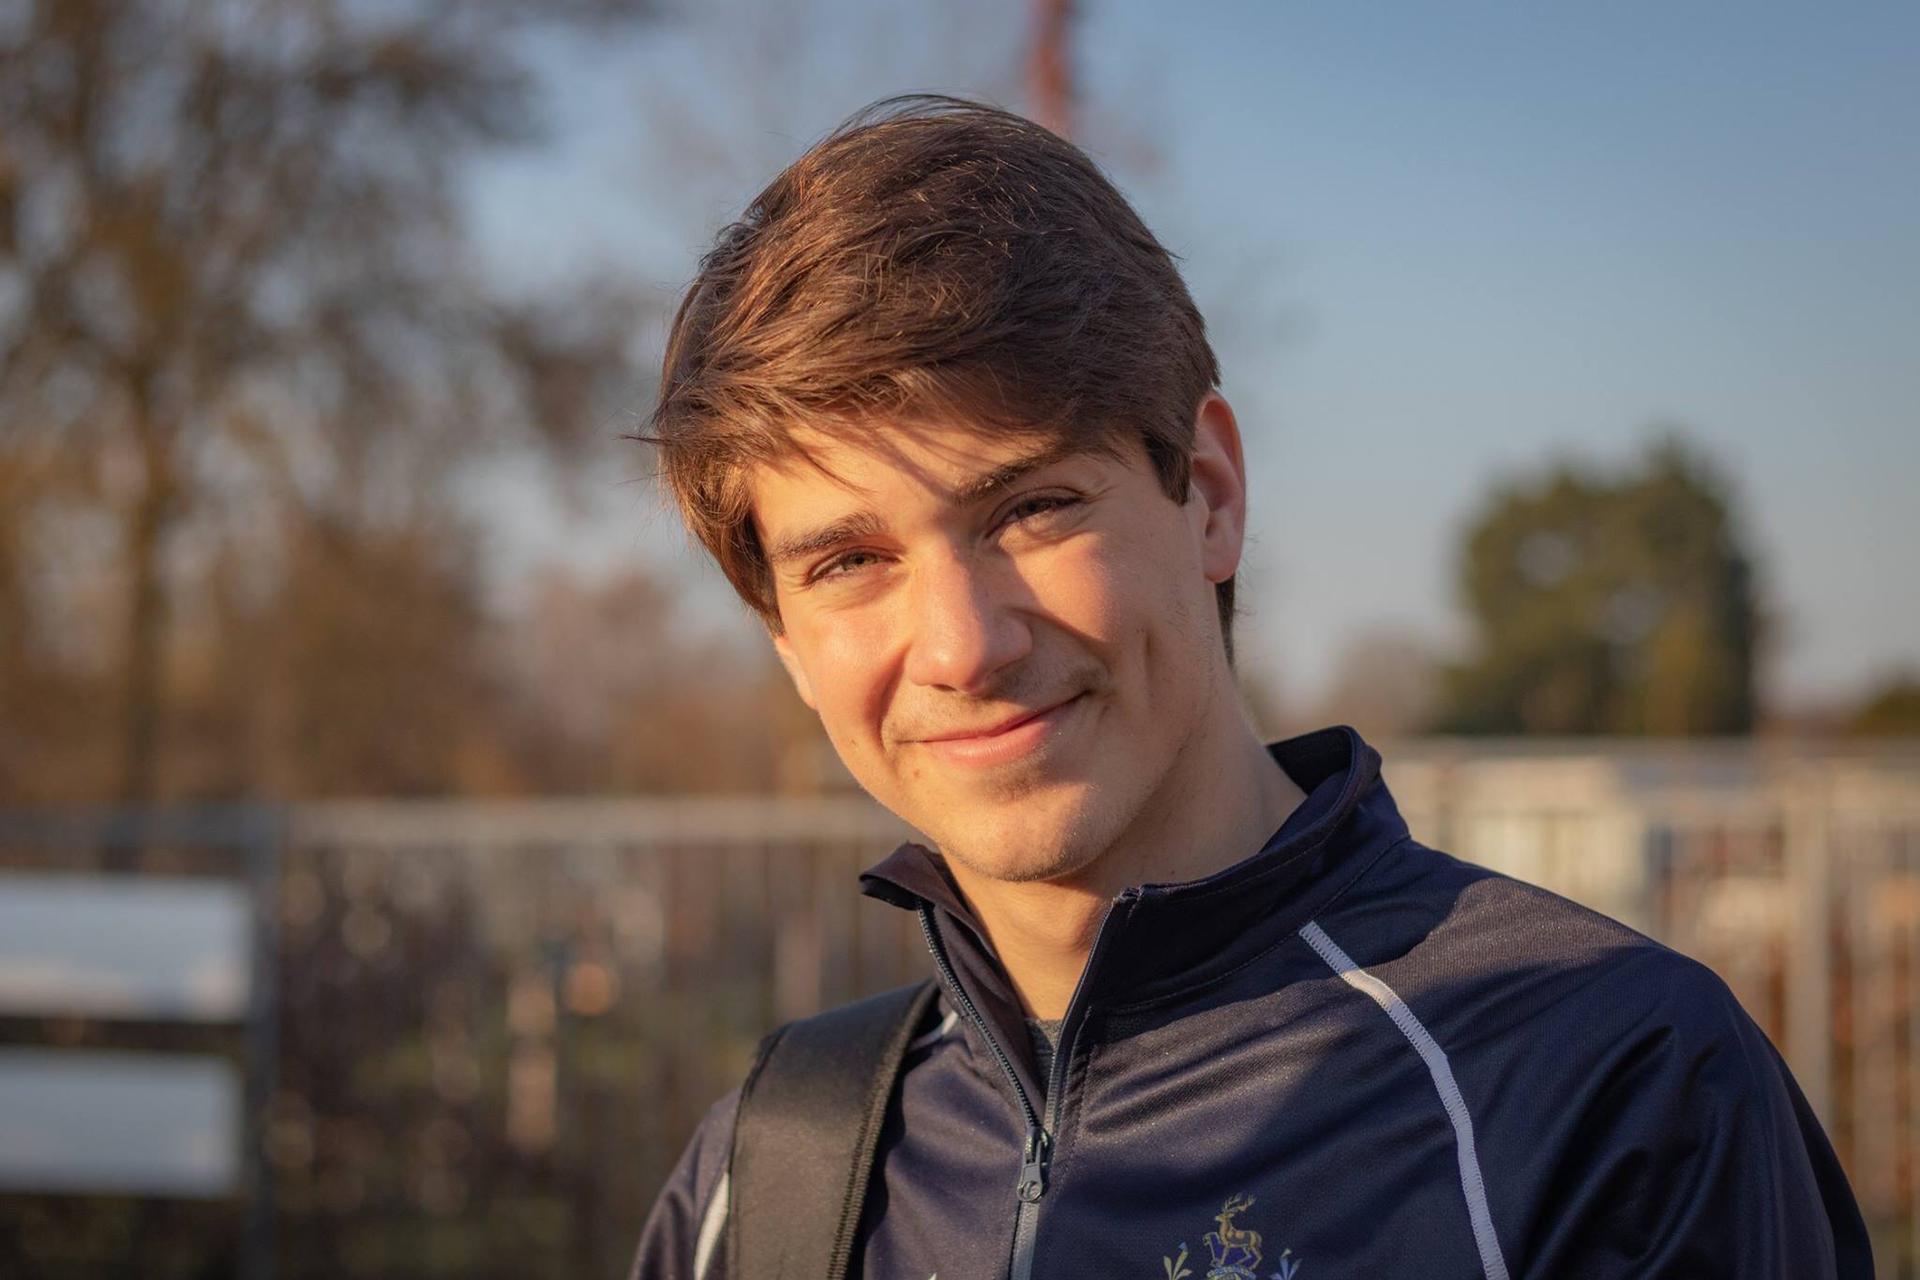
811,542
991,482
866,524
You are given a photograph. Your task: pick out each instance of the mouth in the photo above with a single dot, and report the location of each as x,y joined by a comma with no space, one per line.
1010,739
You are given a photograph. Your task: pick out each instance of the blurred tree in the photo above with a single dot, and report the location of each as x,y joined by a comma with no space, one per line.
230,266
615,693
371,666
364,670
723,107
1891,710
1383,684
50,662
1608,605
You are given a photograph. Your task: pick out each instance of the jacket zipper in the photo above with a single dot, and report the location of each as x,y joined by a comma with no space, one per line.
1036,1151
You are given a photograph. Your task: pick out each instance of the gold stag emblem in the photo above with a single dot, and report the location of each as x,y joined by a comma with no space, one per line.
1230,1241
1234,1252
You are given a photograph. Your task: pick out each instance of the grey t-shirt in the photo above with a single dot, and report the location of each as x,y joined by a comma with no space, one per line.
1043,1036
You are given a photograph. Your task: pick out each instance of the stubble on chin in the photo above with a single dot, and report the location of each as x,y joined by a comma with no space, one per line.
1020,846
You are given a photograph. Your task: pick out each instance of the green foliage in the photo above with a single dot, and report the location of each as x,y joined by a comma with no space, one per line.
1608,604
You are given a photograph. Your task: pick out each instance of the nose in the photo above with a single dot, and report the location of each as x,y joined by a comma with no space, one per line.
967,628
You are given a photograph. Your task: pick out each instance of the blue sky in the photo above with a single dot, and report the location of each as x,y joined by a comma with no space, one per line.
1438,245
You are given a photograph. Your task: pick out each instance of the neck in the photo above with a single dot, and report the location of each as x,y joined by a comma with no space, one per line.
1219,804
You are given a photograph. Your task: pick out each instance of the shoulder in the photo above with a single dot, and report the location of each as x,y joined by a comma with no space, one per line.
1630,1117
682,1231
706,1155
1488,957
878,1019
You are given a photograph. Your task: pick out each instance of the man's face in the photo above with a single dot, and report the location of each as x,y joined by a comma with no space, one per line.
1008,644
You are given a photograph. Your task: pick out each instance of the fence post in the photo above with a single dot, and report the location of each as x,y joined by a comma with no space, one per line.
263,838
1806,828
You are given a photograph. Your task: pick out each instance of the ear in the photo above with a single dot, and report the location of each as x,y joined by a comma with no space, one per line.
795,672
1217,490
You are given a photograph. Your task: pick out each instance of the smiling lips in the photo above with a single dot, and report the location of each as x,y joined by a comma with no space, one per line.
1008,740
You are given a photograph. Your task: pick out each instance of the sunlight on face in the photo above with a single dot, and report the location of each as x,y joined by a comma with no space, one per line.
1008,644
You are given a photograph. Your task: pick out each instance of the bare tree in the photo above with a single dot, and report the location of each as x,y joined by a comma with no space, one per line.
750,84
230,264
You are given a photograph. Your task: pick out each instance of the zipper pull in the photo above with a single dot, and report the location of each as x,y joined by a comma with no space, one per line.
1033,1164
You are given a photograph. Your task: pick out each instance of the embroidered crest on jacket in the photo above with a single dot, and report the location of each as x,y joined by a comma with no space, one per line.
1235,1251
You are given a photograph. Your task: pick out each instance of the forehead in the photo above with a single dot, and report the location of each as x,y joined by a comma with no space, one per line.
824,474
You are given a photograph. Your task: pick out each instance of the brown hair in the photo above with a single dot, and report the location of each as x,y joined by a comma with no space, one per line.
930,259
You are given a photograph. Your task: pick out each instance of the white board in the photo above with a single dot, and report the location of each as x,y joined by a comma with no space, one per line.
124,947
119,1123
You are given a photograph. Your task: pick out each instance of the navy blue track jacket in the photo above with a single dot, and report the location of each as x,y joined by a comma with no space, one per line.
1347,1056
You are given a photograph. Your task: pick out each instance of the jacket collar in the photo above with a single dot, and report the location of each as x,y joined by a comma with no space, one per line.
1171,937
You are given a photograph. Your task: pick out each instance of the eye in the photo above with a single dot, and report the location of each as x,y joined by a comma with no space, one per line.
844,565
1039,505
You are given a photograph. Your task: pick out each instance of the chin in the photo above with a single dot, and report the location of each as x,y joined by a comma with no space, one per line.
1028,866
1026,843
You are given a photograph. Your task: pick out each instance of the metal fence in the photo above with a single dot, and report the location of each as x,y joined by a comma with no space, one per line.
490,1027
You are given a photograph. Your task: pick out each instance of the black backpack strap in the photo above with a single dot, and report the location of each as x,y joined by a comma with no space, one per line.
805,1135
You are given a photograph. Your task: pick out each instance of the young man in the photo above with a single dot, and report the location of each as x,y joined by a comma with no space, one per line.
946,416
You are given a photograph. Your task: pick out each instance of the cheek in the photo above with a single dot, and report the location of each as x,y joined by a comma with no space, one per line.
1139,599
1116,584
847,665
1077,586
